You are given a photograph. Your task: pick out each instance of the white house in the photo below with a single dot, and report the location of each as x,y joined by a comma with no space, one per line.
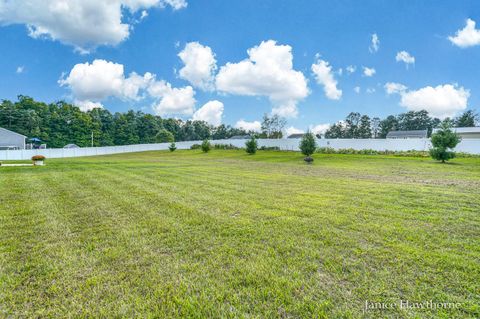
10,140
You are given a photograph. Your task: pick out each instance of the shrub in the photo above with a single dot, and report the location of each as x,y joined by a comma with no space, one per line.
172,147
38,158
269,148
225,147
206,146
308,145
195,147
251,146
444,141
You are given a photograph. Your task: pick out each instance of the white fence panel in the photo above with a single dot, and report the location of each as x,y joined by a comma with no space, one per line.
471,146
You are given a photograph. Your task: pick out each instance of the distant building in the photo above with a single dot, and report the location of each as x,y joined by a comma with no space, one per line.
300,135
10,140
407,134
466,132
296,135
240,137
71,146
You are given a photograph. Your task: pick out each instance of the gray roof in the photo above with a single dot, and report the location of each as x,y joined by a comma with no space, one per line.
4,130
408,134
71,146
475,129
240,137
296,135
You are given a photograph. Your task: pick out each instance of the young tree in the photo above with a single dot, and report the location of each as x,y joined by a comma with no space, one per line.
308,145
172,147
444,141
251,146
206,146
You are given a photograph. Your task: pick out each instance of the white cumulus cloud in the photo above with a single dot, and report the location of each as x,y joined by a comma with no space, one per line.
92,83
268,71
441,101
404,56
324,76
293,130
392,87
356,89
211,113
101,79
319,128
172,101
466,37
199,65
254,126
351,69
368,72
85,24
375,44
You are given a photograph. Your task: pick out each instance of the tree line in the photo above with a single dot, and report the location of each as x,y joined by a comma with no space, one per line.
356,125
61,123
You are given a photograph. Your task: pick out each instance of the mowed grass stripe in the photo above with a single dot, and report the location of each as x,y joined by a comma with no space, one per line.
194,235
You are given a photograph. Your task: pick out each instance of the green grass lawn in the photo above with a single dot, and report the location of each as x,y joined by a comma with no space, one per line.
224,234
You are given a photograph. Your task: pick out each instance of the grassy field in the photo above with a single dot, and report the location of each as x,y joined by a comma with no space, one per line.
225,234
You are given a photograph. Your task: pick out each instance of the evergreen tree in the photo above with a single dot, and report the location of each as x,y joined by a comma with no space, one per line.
308,145
251,146
444,141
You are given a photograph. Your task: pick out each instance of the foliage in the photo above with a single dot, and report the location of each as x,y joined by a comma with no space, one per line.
221,146
272,127
195,147
308,144
172,147
61,123
351,151
443,142
206,146
164,136
251,146
269,148
467,119
38,158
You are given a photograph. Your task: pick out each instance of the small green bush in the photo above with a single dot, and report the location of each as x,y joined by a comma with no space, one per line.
195,147
225,147
206,146
269,148
172,147
251,146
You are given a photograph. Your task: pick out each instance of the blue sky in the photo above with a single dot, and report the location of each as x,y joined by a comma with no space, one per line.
37,47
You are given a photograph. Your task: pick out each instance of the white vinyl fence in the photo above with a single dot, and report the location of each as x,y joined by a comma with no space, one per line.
471,146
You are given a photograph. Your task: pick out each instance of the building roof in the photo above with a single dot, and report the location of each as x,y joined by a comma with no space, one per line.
408,134
296,135
71,146
240,137
475,129
11,132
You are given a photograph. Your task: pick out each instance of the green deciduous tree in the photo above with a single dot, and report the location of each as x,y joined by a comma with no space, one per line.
164,136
